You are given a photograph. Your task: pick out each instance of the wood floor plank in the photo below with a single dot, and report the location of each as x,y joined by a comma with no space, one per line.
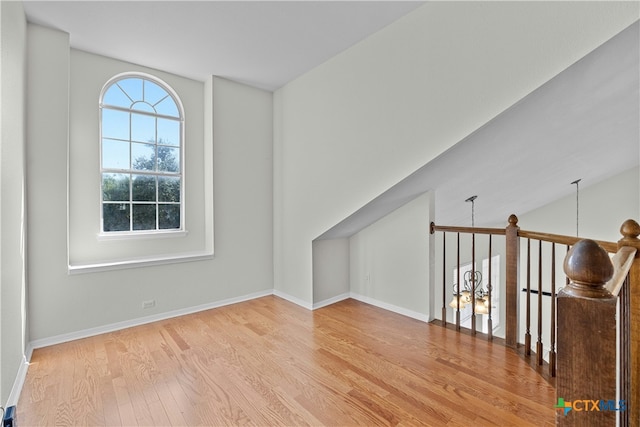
169,405
109,402
267,362
125,406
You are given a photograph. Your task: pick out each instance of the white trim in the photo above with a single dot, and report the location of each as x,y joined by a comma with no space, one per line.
59,339
141,262
21,376
147,234
391,307
362,298
29,352
293,299
330,301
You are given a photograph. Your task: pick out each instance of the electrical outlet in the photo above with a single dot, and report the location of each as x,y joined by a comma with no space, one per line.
149,303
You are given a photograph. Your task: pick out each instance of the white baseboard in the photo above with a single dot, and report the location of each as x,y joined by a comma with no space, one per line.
21,376
362,298
291,298
330,301
390,307
28,353
58,339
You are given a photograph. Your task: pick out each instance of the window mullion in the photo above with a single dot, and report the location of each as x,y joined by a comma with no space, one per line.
142,112
130,175
130,202
143,172
157,209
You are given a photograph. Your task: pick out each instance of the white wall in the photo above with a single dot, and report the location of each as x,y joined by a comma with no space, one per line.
12,179
242,181
353,127
390,259
603,207
330,270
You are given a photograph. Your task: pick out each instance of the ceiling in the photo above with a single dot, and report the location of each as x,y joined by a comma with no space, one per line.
264,44
584,123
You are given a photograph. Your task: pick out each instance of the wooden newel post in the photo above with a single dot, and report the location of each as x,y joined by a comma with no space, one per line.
630,231
586,349
512,255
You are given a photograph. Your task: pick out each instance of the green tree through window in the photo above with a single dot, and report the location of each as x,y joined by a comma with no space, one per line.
141,152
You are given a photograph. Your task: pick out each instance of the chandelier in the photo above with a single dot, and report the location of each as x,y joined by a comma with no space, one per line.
472,291
465,296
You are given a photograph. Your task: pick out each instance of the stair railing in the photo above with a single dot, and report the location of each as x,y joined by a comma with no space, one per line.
627,295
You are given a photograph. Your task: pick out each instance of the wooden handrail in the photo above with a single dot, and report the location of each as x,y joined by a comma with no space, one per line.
470,230
610,247
622,262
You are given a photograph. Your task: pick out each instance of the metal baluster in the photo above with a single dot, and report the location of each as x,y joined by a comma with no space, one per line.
539,343
458,284
552,351
473,283
444,279
489,286
527,334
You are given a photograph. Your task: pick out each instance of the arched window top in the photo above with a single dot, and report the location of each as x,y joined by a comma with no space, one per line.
141,92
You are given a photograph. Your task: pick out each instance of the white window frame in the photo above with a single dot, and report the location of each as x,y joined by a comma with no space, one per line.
136,234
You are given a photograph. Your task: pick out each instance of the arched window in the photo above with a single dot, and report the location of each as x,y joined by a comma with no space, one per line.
141,156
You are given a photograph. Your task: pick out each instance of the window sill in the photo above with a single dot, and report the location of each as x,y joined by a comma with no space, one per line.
141,262
126,235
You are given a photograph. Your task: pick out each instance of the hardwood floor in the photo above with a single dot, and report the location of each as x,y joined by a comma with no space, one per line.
268,362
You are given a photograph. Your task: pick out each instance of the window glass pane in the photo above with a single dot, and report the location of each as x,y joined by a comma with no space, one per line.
168,132
144,217
115,217
143,106
115,96
143,128
167,107
115,124
115,187
144,156
168,216
132,87
115,154
143,188
168,189
168,159
153,93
